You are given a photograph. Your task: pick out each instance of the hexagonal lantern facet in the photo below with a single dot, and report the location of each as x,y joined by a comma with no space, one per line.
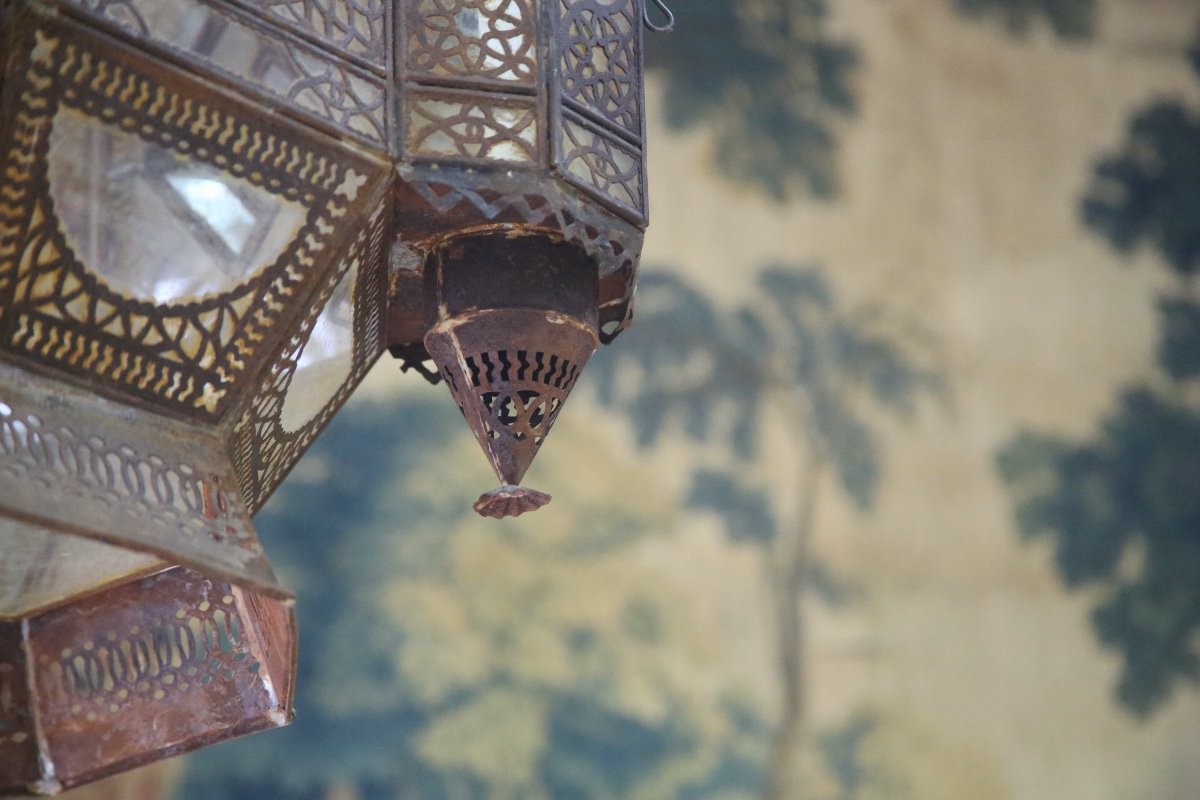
214,216
142,671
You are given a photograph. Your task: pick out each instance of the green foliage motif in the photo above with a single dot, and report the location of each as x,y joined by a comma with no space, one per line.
1123,509
448,657
766,79
1069,19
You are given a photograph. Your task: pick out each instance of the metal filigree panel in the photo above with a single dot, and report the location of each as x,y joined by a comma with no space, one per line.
356,27
599,62
226,43
144,670
74,462
265,445
603,164
473,40
57,309
472,126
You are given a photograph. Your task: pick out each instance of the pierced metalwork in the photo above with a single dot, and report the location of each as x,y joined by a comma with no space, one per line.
600,69
472,126
603,164
263,451
214,216
357,27
511,397
54,308
474,39
162,662
226,42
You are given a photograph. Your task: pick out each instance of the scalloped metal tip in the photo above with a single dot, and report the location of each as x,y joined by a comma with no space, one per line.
510,501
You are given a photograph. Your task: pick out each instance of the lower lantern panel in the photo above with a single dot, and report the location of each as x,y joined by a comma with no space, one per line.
145,670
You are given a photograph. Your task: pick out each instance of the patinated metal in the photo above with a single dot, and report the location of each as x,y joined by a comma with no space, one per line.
215,215
138,672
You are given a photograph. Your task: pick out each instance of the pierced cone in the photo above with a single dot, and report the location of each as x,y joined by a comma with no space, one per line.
510,371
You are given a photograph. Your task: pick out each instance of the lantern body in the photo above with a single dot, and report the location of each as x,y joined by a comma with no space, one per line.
214,216
174,257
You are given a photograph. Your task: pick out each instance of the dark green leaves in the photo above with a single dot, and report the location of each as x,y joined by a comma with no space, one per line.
767,80
1179,349
1123,513
1149,192
1070,19
790,356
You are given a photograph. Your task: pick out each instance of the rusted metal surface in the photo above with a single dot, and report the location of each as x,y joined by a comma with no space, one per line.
458,179
510,372
513,321
142,671
510,501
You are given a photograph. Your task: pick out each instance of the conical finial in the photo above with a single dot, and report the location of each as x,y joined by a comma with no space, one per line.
510,371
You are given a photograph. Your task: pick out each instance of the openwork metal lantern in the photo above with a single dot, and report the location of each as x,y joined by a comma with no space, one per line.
215,215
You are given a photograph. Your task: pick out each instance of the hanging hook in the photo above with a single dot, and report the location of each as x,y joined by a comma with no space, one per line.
668,26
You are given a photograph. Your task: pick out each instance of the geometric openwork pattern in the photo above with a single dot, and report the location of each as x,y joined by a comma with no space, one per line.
356,26
511,394
152,666
142,663
523,413
277,63
602,162
176,495
474,39
56,310
263,450
599,60
512,398
476,125
598,121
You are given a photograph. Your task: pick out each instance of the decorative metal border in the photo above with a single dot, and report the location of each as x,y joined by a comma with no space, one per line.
263,452
356,29
74,462
592,127
113,88
328,89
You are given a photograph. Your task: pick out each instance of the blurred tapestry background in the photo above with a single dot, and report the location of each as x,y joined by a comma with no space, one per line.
892,492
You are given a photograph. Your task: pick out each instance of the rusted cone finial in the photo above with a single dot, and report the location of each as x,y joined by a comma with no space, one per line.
510,371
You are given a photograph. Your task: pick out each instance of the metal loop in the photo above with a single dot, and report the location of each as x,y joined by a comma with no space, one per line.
668,26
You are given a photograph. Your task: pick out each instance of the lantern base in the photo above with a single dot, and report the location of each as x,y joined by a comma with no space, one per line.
148,669
510,501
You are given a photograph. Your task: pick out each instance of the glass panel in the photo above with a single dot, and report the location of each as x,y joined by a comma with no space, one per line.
493,39
602,162
39,567
472,126
598,60
325,361
298,74
157,225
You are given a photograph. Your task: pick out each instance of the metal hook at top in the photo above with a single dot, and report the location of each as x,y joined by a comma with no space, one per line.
668,26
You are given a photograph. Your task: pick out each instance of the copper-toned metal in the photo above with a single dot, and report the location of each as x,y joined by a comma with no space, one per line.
510,371
141,671
523,122
510,501
513,322
214,216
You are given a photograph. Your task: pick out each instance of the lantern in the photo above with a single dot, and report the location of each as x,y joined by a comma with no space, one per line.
214,216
